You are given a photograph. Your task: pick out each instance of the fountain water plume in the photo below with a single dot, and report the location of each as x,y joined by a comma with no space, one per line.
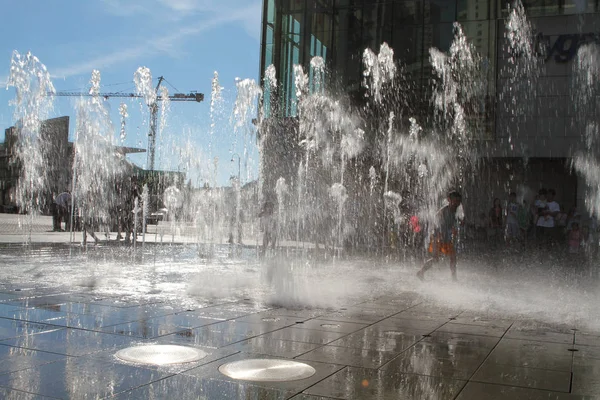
317,72
143,83
585,89
31,153
165,109
380,69
98,167
282,191
124,115
521,73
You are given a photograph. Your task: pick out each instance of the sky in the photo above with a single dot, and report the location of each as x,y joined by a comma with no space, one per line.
185,41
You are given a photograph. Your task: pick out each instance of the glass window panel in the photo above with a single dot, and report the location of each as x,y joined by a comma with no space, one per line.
323,37
579,6
371,27
435,11
322,21
271,12
268,51
269,38
473,10
348,19
478,33
322,4
407,12
349,3
439,36
534,8
347,58
407,42
293,6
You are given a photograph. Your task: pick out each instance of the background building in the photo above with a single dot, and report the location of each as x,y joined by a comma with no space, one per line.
58,161
527,149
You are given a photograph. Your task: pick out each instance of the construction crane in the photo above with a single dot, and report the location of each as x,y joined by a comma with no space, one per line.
192,96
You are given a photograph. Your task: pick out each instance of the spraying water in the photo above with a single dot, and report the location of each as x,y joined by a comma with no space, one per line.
97,166
32,152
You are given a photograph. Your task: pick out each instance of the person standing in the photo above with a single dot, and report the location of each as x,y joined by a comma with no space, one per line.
62,210
553,213
268,224
496,218
512,222
548,208
444,235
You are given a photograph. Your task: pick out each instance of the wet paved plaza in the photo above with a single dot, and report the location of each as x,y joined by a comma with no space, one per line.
59,340
63,345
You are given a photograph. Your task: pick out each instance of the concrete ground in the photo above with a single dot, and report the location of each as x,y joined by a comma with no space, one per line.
59,341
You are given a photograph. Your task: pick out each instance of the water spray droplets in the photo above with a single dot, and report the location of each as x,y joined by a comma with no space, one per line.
143,83
271,77
379,70
32,84
124,115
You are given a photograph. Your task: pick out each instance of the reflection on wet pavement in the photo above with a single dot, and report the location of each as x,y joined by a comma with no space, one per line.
58,339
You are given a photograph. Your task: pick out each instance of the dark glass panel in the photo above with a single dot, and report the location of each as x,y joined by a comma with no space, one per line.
292,6
372,26
436,11
479,35
407,12
322,5
350,3
322,21
407,43
473,10
439,36
347,56
270,11
536,8
268,52
348,19
579,6
269,38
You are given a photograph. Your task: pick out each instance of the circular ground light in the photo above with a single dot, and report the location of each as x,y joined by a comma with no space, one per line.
160,354
267,370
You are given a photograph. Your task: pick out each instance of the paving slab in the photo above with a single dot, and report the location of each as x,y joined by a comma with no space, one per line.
478,391
69,342
349,356
202,387
359,383
532,354
295,334
439,360
536,378
79,378
365,340
331,326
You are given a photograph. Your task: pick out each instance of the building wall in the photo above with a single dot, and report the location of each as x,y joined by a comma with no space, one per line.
536,139
551,124
58,160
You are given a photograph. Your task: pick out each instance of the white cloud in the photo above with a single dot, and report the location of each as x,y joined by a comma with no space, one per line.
248,16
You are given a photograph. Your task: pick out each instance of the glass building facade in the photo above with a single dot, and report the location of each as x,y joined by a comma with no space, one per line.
544,131
294,31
